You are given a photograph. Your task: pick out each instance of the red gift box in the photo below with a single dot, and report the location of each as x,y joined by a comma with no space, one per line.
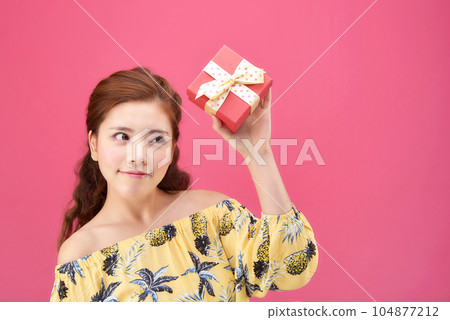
234,110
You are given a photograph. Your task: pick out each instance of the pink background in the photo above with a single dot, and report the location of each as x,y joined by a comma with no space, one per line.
375,104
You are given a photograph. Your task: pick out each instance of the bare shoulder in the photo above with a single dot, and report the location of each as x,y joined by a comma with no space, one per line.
207,198
76,246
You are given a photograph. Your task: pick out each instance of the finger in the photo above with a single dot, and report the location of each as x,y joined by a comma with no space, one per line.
217,124
220,128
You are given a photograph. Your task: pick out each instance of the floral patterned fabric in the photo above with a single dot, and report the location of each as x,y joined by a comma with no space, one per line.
222,253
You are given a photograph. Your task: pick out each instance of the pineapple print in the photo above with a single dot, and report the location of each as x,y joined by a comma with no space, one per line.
110,250
161,235
199,227
199,223
263,251
112,257
297,262
226,224
252,227
260,267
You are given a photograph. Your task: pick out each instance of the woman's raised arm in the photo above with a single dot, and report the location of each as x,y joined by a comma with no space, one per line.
252,141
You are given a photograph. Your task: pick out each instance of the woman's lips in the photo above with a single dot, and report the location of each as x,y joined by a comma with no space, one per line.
134,174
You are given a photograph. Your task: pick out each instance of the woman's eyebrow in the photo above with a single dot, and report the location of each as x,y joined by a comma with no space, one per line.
131,130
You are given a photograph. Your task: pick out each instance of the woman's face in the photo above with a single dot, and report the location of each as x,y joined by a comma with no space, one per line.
135,136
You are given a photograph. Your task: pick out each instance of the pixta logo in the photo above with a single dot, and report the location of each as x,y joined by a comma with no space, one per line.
307,150
143,149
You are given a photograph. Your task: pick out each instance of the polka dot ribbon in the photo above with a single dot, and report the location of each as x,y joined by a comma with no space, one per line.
218,89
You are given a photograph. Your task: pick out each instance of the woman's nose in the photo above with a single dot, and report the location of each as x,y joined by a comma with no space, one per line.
140,150
141,155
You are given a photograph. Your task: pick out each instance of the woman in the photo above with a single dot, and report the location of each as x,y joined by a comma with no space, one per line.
142,235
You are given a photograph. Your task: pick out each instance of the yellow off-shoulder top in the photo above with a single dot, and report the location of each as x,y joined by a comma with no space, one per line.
222,253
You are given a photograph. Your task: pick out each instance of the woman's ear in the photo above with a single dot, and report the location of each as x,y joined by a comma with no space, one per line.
93,145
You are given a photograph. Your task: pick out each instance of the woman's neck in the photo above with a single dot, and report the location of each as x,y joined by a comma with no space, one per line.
118,209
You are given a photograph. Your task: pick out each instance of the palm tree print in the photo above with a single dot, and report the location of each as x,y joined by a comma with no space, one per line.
202,270
261,265
274,272
240,220
129,261
229,293
273,287
229,267
190,297
241,275
229,204
105,295
218,251
62,290
70,268
292,227
151,283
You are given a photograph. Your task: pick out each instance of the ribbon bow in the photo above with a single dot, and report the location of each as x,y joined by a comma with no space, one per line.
218,89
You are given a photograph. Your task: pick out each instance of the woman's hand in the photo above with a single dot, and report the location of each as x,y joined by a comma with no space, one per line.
258,132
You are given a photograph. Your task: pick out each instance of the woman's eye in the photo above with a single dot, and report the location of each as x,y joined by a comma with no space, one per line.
161,139
119,134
